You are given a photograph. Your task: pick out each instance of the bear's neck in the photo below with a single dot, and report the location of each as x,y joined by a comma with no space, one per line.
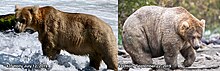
38,20
42,19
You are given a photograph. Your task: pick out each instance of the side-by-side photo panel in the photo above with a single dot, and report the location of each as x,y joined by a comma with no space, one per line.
110,35
169,35
61,35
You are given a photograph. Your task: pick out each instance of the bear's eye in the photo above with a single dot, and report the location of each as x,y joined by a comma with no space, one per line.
193,37
23,21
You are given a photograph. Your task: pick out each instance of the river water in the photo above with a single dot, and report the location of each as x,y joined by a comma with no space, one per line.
107,10
24,48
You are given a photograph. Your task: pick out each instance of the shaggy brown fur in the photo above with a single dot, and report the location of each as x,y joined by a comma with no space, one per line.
154,31
77,33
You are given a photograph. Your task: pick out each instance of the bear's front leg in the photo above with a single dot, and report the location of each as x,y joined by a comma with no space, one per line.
49,46
170,54
171,59
50,52
189,55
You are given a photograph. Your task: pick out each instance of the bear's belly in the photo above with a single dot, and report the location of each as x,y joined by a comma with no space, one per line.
154,55
79,50
157,52
75,45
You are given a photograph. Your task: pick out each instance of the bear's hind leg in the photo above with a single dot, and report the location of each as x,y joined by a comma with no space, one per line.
139,55
110,59
142,59
95,60
189,55
137,47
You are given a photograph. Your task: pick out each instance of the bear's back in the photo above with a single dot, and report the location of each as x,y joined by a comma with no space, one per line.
156,17
144,15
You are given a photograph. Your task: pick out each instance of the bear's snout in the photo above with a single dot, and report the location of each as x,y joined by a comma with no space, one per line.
196,44
17,30
197,47
18,27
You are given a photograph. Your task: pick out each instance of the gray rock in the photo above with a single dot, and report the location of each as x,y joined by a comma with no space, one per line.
203,40
198,59
217,53
208,57
215,39
121,53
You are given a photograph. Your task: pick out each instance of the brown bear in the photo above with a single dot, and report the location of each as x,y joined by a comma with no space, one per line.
154,31
77,33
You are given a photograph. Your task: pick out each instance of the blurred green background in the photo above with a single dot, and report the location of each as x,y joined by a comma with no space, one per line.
7,22
201,9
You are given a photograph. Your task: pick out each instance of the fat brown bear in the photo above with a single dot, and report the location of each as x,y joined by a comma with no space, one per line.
154,31
77,33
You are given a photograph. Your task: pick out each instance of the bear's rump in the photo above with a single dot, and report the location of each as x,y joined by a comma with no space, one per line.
147,41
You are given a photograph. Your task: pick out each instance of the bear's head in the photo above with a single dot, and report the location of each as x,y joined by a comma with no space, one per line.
24,18
191,30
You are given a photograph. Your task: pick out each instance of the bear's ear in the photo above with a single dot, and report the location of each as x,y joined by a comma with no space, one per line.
34,9
17,7
203,25
203,22
184,25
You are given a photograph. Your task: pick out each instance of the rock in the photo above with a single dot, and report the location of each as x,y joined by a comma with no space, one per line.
198,59
30,31
203,40
161,58
215,39
214,36
125,69
216,46
64,60
8,31
88,68
217,53
125,56
121,53
208,57
203,46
